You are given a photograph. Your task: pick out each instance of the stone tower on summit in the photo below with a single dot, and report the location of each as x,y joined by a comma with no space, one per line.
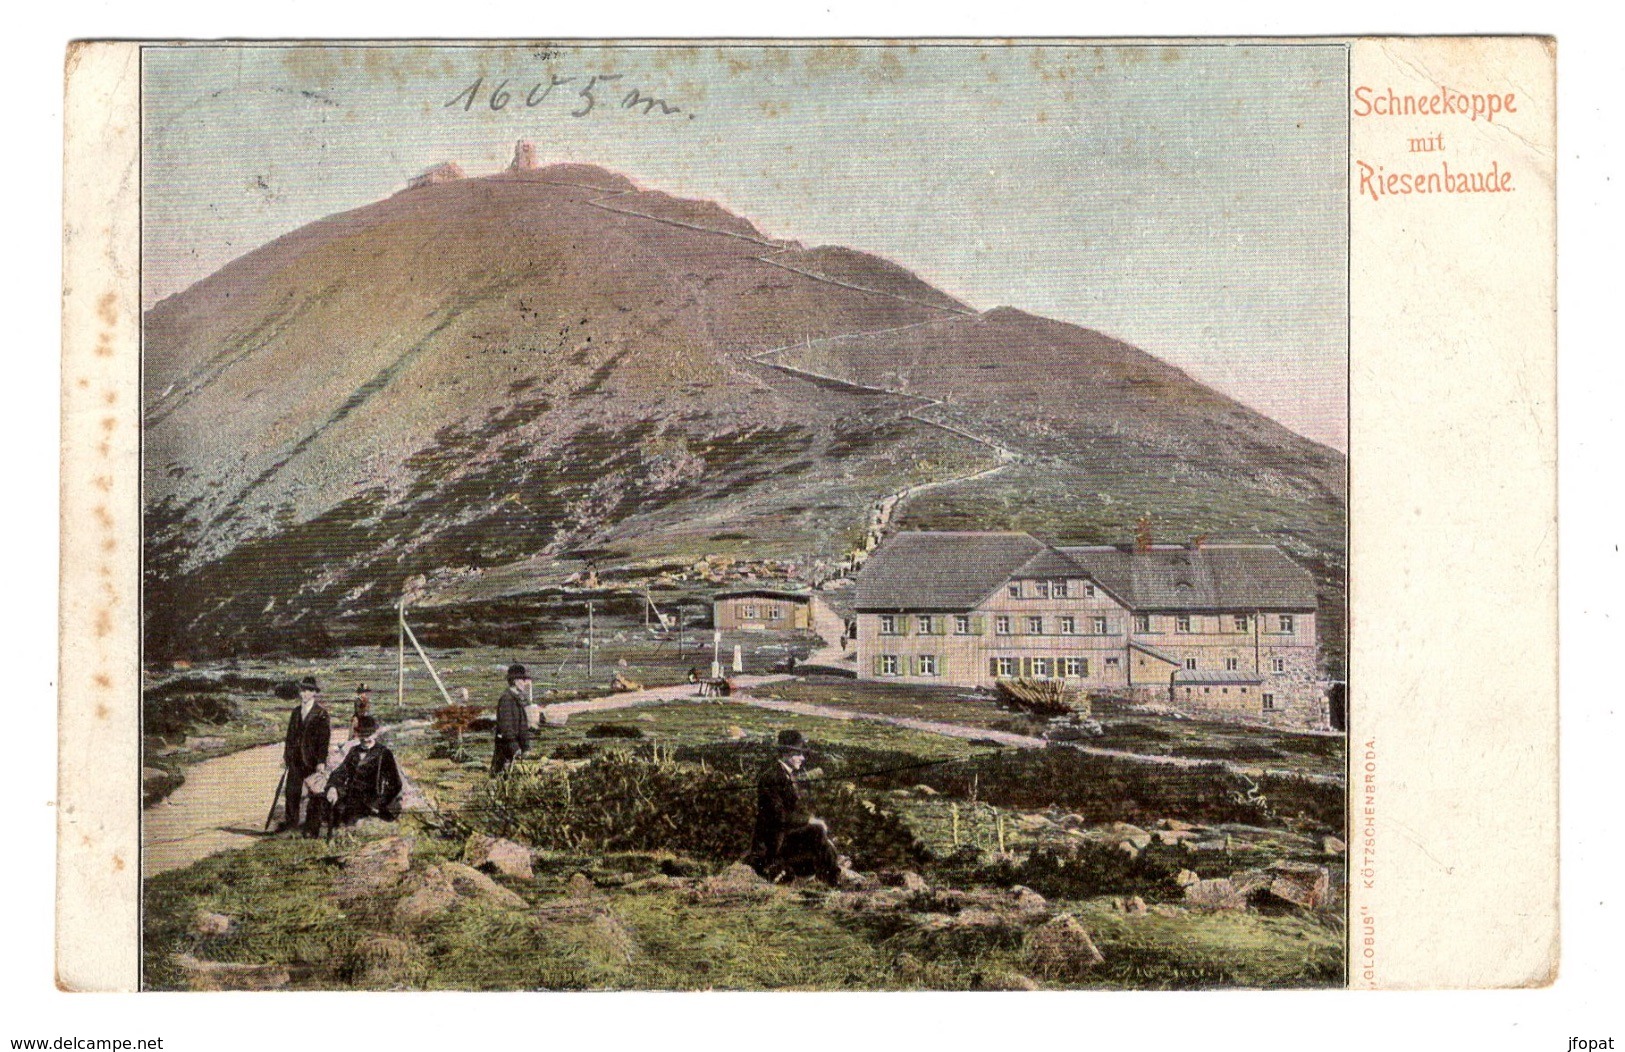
524,157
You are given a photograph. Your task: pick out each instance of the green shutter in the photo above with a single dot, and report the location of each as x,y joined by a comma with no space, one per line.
942,626
978,625
993,668
913,665
877,665
1026,666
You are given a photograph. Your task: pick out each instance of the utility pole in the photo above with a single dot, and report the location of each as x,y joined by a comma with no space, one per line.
589,640
400,657
716,653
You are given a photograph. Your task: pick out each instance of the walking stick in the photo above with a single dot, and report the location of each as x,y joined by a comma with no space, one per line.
279,786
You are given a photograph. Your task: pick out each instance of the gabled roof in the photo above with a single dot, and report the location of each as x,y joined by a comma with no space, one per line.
942,570
1213,577
765,592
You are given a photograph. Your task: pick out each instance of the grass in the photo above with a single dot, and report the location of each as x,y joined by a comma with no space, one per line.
281,891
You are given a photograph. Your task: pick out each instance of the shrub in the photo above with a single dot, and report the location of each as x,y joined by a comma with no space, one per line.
626,801
451,722
1042,697
172,714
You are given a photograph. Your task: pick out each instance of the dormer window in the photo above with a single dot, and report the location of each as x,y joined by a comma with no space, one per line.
1015,589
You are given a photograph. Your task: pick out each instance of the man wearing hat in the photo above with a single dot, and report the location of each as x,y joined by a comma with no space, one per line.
788,841
304,749
368,782
513,729
363,707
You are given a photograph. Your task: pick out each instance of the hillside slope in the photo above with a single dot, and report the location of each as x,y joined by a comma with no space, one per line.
491,381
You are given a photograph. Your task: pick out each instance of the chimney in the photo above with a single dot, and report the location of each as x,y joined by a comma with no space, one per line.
1142,534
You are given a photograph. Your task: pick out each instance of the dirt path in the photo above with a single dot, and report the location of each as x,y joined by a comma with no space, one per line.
221,806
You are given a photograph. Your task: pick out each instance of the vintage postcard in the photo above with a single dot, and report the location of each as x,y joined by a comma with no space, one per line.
808,515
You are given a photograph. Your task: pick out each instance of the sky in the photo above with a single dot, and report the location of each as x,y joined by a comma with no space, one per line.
1190,200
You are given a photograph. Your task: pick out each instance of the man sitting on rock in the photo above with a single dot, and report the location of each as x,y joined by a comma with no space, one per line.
368,782
788,842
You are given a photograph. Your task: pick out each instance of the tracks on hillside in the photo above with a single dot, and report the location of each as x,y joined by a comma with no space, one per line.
884,510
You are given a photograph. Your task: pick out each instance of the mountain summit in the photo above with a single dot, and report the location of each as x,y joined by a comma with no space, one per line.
490,381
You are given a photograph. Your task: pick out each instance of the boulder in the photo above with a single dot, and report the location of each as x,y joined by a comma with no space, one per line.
385,962
608,938
738,881
1123,833
1217,894
1205,845
375,867
1062,949
1135,906
496,855
210,924
1300,883
1172,837
1186,878
471,883
1026,900
906,879
852,880
1249,882
1333,846
216,975
434,897
580,886
1004,981
1174,825
1073,821
924,790
1128,849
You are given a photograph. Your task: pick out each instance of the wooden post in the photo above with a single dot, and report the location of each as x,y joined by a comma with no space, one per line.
589,641
1001,831
400,658
413,639
955,808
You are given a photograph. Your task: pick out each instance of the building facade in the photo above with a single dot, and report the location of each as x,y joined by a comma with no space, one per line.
761,610
1222,629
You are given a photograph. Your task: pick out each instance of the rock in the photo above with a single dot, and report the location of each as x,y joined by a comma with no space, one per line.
1167,911
470,882
737,881
1174,825
851,880
886,901
906,879
1123,833
1134,906
207,741
1073,821
1129,849
1249,882
608,938
657,882
1005,981
924,790
621,683
1033,823
215,975
496,855
375,867
433,898
1218,894
385,962
1026,900
580,886
1205,845
1300,883
211,924
1333,846
1062,949
1172,837
737,733
1186,878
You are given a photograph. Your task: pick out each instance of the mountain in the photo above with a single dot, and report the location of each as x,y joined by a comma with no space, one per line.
479,387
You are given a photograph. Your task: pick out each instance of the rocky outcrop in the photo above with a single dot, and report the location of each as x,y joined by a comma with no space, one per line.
375,867
1062,949
497,855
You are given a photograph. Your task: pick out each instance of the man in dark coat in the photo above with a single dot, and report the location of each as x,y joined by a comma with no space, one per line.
303,750
513,726
788,841
368,782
